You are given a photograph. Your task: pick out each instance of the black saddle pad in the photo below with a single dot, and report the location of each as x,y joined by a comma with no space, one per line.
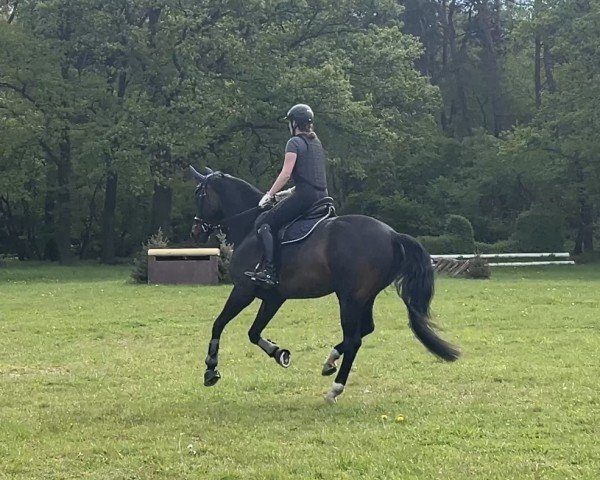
304,225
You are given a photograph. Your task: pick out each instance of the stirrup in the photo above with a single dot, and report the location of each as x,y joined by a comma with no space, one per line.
263,277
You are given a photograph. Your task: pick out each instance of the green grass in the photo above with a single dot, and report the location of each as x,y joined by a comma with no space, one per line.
102,379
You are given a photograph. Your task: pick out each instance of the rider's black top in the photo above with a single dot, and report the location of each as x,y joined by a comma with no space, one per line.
310,161
309,178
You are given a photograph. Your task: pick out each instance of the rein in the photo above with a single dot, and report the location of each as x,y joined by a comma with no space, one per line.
205,226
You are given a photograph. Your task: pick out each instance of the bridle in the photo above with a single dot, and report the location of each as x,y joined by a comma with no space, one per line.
208,227
200,193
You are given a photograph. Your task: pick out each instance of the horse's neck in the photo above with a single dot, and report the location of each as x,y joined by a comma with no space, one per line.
242,199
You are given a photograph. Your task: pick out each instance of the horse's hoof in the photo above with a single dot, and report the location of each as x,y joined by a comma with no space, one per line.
335,391
283,357
211,377
328,369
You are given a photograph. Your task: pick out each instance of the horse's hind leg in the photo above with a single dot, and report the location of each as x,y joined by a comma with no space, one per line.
237,301
367,325
352,311
266,312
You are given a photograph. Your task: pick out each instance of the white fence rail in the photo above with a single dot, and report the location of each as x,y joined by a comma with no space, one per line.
549,258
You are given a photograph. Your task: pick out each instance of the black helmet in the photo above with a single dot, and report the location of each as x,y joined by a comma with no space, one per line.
301,114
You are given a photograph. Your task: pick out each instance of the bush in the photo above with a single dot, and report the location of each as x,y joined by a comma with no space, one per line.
226,252
457,238
140,262
439,245
503,246
406,215
478,268
460,229
540,231
588,257
401,213
459,226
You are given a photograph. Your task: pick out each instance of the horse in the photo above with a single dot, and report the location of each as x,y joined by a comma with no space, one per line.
353,256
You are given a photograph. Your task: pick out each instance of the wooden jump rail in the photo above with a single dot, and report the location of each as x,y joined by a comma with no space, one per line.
183,252
183,265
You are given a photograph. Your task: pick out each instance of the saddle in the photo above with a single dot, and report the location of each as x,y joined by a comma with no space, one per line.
301,227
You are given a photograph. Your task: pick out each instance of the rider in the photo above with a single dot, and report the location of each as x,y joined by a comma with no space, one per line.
304,163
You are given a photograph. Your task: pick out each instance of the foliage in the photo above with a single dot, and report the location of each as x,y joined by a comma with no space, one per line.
226,252
478,268
457,237
398,211
482,109
140,261
539,231
502,246
459,226
441,244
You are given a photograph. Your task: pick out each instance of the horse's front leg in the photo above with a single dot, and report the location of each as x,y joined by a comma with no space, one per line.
266,312
238,300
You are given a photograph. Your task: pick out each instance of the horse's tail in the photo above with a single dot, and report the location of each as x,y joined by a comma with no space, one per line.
414,284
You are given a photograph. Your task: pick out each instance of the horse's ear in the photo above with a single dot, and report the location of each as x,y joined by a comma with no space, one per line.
208,170
197,175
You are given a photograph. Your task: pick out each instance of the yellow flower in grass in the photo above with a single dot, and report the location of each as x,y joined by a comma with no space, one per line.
400,418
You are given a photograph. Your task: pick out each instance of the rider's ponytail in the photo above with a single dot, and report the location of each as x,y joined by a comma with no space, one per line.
307,129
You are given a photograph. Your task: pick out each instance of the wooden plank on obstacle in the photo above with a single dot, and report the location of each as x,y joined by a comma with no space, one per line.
183,252
183,265
451,267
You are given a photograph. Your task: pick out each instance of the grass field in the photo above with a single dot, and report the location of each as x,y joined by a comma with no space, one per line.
102,379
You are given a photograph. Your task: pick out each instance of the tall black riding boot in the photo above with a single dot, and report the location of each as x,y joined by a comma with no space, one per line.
267,276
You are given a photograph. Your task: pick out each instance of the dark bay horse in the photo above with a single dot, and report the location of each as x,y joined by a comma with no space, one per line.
353,256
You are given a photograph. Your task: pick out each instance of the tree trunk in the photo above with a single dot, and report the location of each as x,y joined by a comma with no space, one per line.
110,192
491,70
538,71
63,197
458,58
585,232
31,228
584,242
108,219
50,251
549,68
161,208
8,220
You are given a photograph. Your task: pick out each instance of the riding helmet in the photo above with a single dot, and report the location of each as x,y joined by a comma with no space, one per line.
301,114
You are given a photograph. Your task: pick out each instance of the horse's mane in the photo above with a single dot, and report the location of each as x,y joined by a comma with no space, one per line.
243,183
